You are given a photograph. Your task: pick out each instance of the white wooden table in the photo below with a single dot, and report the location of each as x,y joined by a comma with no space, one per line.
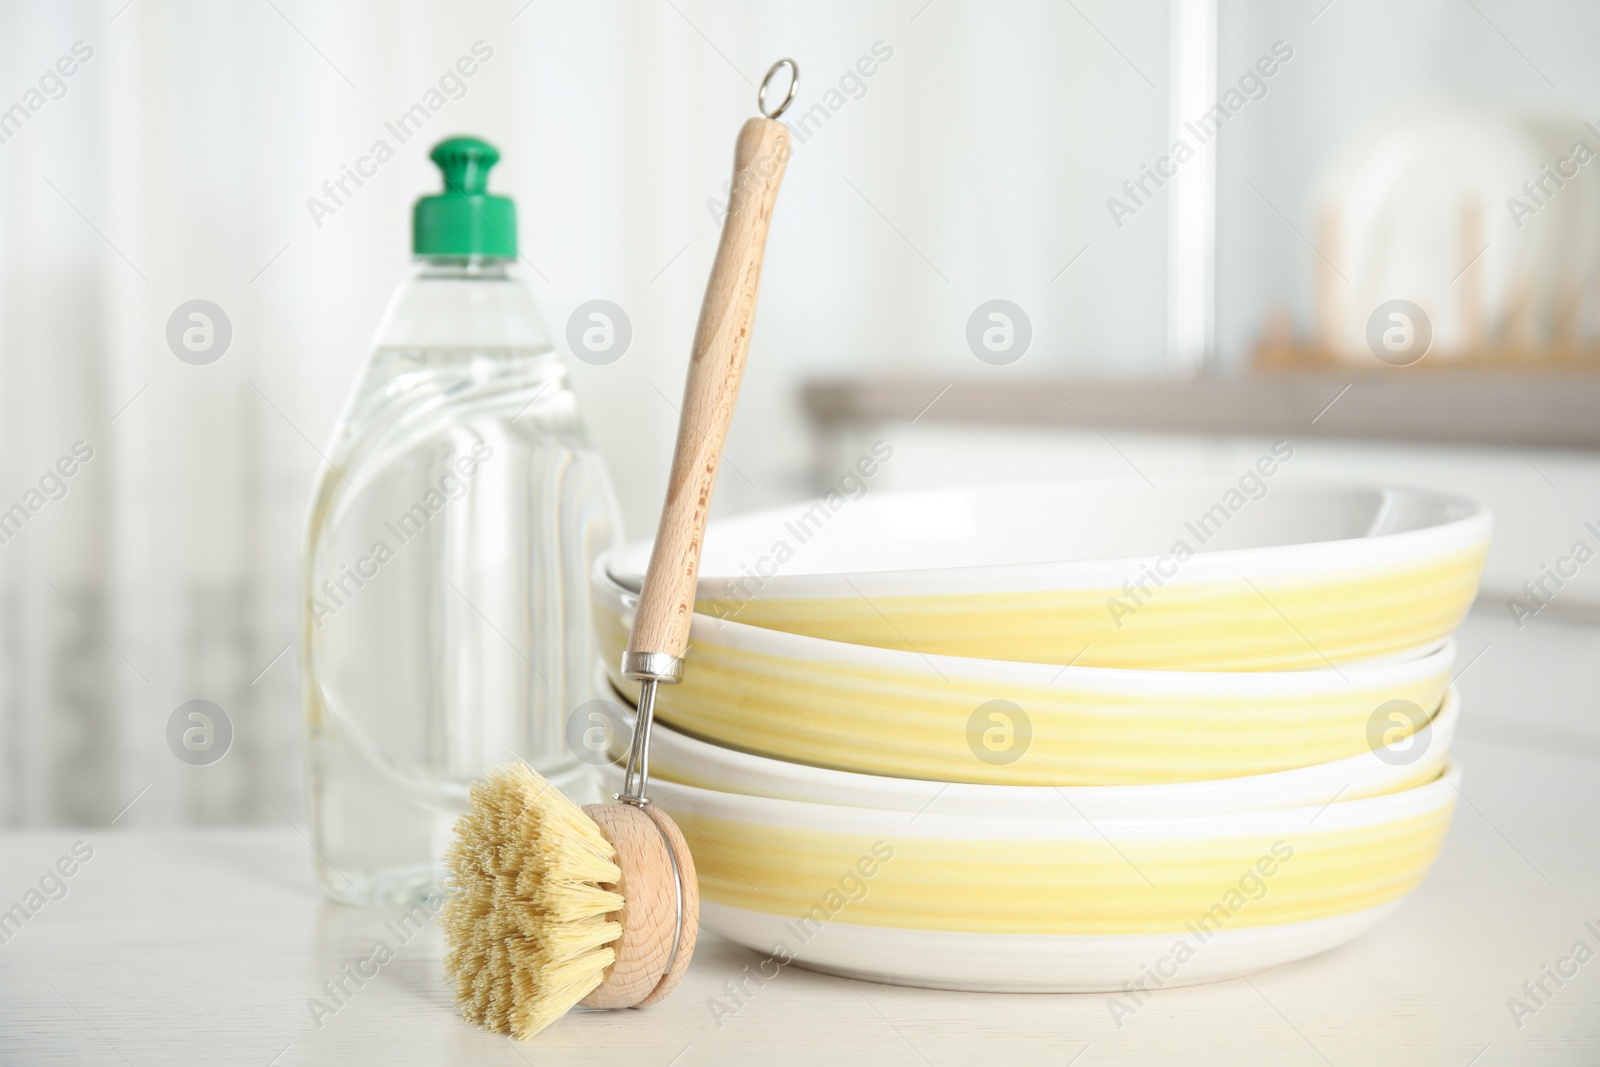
190,947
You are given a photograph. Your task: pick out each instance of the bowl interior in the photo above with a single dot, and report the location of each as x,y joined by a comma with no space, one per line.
1051,523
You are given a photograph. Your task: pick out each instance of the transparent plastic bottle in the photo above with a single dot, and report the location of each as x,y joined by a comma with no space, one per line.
447,559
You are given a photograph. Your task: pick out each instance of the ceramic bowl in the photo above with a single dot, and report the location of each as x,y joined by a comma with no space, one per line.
1255,574
1411,761
951,719
1057,902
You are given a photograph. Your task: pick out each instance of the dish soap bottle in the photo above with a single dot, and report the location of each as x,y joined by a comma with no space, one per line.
448,555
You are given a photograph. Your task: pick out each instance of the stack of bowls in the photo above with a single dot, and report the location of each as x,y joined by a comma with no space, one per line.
1065,737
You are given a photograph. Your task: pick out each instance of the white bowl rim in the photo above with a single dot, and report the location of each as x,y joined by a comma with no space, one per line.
1472,525
1050,825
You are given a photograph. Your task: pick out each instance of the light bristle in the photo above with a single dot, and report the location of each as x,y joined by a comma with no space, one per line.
526,922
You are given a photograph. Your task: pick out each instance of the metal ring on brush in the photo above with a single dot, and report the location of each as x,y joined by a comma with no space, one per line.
788,98
677,894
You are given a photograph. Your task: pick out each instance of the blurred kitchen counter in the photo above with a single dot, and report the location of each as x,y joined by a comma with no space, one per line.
1533,408
204,947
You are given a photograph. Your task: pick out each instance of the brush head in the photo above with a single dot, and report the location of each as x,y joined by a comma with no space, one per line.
531,921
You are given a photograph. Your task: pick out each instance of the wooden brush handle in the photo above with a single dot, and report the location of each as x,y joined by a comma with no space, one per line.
666,603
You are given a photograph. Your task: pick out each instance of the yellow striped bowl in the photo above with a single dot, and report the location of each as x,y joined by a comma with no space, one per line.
949,719
1413,761
1246,575
1057,902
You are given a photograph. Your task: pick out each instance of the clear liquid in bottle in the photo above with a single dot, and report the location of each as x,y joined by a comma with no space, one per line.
446,574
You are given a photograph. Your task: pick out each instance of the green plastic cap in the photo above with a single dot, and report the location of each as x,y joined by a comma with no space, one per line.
465,219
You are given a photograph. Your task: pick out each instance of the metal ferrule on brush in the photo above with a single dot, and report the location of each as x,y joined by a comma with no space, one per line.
649,669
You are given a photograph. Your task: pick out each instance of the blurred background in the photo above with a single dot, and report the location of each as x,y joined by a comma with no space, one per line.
1199,220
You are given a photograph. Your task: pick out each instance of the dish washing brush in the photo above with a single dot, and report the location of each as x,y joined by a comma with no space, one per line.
554,905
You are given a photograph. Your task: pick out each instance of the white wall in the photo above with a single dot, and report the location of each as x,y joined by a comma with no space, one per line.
178,164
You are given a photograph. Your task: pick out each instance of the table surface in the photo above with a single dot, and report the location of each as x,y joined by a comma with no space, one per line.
204,947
